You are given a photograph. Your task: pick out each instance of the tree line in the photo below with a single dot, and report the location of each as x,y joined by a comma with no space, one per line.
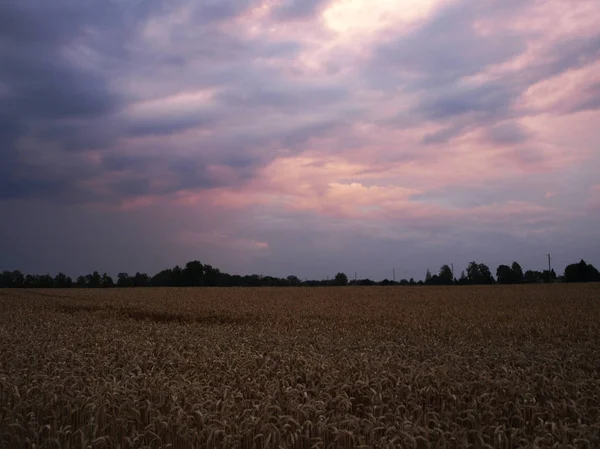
196,274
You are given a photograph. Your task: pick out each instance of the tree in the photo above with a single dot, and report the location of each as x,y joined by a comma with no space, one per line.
81,282
445,277
179,279
212,276
486,274
194,272
340,279
12,279
517,272
549,277
45,281
473,273
93,280
123,280
533,277
581,272
428,277
107,281
61,280
505,275
141,280
479,273
293,280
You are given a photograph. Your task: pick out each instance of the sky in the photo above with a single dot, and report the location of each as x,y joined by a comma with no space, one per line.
298,137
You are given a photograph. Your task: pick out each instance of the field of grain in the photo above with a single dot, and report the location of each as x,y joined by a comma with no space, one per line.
481,367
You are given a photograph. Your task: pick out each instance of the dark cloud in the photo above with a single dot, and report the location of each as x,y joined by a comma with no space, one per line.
45,49
44,89
586,100
118,162
510,133
485,101
62,61
218,10
566,54
298,9
58,100
435,60
169,124
191,173
448,47
284,98
10,129
442,135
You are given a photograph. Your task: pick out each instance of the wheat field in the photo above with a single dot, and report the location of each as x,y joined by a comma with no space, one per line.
349,367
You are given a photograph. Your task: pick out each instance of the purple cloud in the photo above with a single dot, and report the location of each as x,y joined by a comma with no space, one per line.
311,136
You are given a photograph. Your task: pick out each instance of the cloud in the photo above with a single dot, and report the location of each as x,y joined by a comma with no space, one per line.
442,50
431,126
508,133
298,9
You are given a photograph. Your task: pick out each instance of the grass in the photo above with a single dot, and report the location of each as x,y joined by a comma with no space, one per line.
481,367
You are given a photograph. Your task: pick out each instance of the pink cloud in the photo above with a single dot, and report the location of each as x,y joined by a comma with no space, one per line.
594,197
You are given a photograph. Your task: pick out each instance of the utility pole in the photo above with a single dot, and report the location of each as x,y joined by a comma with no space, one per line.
549,270
394,274
452,267
355,276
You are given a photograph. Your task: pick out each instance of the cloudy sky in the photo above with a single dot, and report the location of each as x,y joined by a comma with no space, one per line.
298,137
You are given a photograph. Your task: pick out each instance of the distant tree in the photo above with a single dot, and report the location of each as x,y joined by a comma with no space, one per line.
445,277
479,273
141,280
12,279
463,280
93,280
30,281
473,274
5,279
179,278
340,279
45,281
163,278
404,282
486,274
517,272
581,272
123,280
212,276
505,275
532,277
412,282
428,278
551,277
366,282
81,282
107,281
293,280
194,273
61,280
252,280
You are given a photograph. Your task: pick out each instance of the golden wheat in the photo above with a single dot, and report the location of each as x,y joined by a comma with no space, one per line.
482,367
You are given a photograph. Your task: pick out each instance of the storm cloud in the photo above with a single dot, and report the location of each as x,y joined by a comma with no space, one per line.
298,137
